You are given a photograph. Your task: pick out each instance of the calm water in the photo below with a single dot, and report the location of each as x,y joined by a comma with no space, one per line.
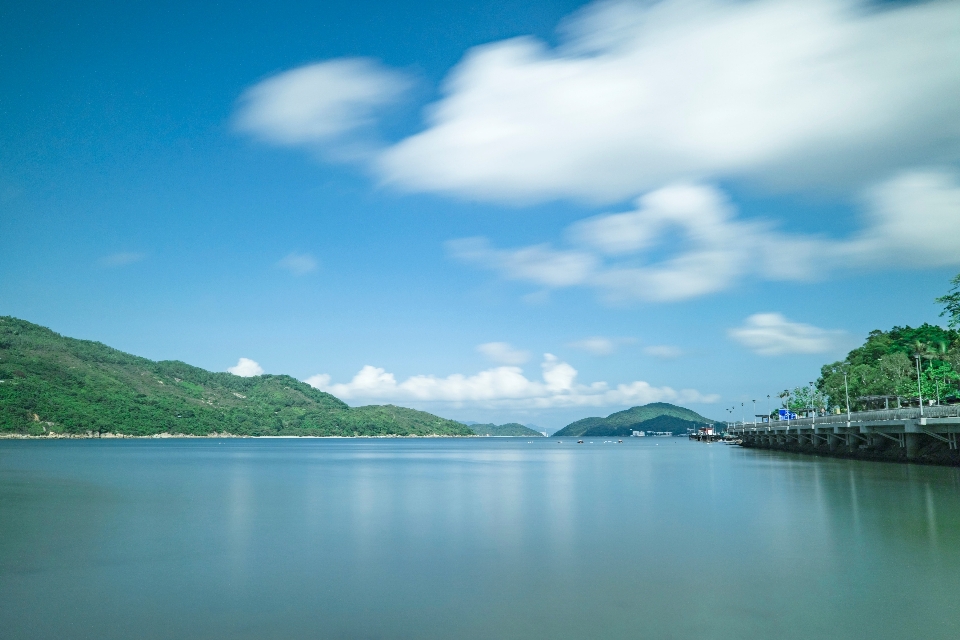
479,538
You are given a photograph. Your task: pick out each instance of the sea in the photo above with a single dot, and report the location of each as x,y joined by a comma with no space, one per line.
459,538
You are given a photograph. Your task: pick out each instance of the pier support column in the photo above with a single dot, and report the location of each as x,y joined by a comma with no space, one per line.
853,443
912,444
833,441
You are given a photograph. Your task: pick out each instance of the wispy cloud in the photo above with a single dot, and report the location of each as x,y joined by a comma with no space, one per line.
298,263
503,387
503,353
641,94
842,93
121,259
801,93
319,103
663,351
600,345
539,263
911,220
246,368
771,334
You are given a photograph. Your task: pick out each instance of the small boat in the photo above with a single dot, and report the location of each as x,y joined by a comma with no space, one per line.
579,441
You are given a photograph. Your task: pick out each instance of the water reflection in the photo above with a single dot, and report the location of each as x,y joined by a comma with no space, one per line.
472,539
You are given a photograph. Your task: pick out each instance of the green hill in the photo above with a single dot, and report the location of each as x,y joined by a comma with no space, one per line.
509,429
656,416
52,383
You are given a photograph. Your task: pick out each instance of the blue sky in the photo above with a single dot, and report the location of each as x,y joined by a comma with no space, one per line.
524,211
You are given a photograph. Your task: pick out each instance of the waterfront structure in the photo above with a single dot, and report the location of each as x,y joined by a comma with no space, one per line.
917,433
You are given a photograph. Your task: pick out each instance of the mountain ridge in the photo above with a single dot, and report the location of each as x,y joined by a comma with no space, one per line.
61,385
655,416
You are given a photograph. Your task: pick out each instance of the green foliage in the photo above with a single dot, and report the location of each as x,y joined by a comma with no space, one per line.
53,383
509,429
623,423
886,365
803,399
951,303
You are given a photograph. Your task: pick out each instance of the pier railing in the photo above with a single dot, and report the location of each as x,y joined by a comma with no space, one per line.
912,413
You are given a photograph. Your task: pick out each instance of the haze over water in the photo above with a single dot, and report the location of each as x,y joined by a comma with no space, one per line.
470,538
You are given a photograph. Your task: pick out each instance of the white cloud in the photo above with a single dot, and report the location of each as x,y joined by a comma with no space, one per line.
503,353
318,102
641,94
770,334
505,386
717,249
682,93
912,219
600,345
538,263
246,368
597,345
298,263
121,259
663,351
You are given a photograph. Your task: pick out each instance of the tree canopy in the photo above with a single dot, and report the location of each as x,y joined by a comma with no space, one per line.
887,365
902,363
951,303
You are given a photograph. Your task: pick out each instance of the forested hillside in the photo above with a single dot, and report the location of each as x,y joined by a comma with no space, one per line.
52,383
509,429
656,416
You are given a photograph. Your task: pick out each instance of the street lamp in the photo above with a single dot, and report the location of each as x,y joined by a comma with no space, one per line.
813,402
754,413
919,388
846,390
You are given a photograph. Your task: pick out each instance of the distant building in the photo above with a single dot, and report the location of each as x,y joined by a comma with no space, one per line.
638,434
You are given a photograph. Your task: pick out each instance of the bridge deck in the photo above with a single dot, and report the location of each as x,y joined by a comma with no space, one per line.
860,428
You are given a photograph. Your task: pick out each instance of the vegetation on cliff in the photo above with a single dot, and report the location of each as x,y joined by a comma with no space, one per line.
52,383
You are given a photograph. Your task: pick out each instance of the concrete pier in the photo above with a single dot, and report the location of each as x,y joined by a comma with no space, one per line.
895,434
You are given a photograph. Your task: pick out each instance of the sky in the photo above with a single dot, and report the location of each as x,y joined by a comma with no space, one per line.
519,211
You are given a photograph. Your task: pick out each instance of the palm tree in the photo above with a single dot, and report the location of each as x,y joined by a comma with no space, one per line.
785,398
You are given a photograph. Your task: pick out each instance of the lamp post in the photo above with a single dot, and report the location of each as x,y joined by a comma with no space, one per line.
754,413
813,403
919,388
846,390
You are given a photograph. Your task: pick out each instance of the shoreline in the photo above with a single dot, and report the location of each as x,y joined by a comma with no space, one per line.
167,436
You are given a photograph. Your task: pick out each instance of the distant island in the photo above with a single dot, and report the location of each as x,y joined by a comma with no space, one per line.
53,385
656,417
509,429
